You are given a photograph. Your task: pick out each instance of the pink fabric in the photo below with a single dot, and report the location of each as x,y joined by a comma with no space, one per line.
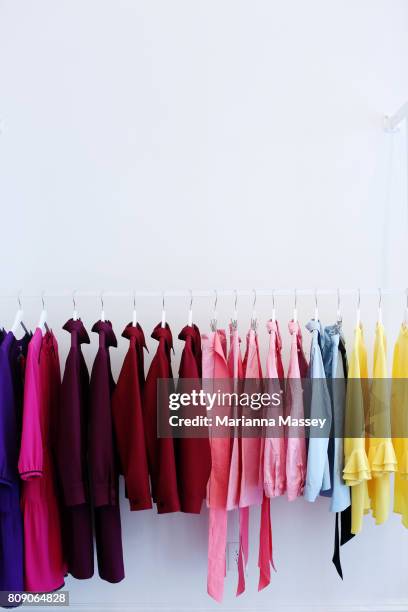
44,567
274,457
236,372
296,443
215,367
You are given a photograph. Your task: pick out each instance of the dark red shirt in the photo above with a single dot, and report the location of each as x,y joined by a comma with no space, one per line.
128,421
160,451
193,454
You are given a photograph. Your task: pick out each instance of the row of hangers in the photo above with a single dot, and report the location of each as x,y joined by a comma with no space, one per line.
42,323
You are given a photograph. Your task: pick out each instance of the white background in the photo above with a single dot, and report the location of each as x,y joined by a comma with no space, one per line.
176,144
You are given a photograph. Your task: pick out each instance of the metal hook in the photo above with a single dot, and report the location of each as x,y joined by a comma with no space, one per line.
101,296
214,319
295,308
379,298
236,300
43,299
358,298
20,303
316,313
253,318
73,299
254,301
338,300
134,301
163,301
315,297
134,315
190,310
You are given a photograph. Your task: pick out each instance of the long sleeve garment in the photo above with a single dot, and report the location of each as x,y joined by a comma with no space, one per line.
160,451
399,403
44,566
381,455
103,461
356,470
252,493
318,472
274,456
72,456
11,524
128,421
215,368
336,369
193,455
296,443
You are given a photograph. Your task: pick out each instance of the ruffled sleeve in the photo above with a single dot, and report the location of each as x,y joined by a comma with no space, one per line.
357,467
382,457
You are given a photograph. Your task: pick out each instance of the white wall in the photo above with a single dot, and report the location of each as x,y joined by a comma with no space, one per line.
181,144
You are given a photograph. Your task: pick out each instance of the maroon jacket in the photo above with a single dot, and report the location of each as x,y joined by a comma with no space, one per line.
160,451
192,454
128,421
71,454
103,460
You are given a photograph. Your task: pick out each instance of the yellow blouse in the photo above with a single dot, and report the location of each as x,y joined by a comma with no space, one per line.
380,450
399,414
356,466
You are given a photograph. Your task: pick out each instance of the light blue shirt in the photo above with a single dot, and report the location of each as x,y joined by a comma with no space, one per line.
318,470
333,347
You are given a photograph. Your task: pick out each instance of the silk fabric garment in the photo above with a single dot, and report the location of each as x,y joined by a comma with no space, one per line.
215,367
296,443
274,457
44,565
399,402
356,470
11,524
103,460
128,421
381,455
193,456
318,472
160,451
72,456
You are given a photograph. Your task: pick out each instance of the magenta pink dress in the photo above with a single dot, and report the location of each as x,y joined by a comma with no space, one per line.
44,566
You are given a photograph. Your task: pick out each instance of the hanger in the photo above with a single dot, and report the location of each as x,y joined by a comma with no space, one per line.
358,307
379,306
234,320
316,312
295,315
339,317
254,320
75,313
102,309
190,310
42,323
134,314
18,319
213,322
273,307
163,317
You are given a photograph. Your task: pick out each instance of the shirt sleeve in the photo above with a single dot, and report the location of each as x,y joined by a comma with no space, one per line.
30,463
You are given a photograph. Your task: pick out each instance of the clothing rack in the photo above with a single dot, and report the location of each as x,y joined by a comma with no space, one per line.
204,293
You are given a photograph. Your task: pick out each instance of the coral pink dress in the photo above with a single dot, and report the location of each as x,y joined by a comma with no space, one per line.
44,566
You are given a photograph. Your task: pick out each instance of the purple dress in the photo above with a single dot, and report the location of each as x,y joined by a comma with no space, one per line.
71,453
103,461
12,353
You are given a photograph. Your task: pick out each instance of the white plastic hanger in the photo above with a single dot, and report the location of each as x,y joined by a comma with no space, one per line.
316,312
339,316
163,317
379,306
273,307
234,319
102,309
18,319
295,315
134,314
190,310
42,323
254,320
75,313
358,322
213,322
